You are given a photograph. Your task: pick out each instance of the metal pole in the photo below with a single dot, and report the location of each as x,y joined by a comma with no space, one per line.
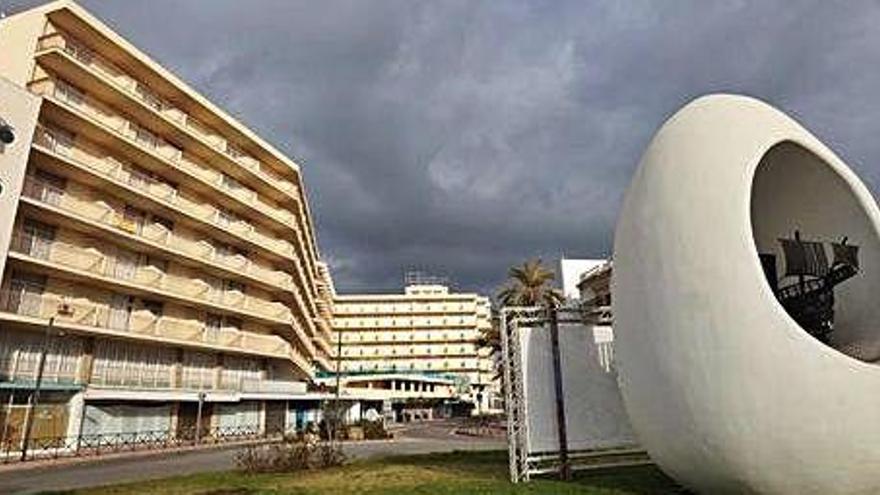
338,381
565,469
199,418
34,398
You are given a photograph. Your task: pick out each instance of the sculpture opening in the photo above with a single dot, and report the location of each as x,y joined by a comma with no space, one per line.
819,249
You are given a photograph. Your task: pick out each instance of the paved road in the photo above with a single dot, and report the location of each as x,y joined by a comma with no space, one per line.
420,439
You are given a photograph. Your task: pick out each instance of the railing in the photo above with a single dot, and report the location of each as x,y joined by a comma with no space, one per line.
168,153
43,306
140,92
43,191
272,386
88,445
76,257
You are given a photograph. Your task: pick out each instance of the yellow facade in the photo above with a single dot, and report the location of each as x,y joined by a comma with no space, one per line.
425,330
155,217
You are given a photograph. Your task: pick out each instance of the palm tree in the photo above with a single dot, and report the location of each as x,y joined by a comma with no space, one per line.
529,285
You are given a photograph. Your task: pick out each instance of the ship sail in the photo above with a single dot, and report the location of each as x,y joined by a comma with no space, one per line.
845,254
804,257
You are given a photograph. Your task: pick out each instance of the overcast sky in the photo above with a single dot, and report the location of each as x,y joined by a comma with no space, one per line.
462,137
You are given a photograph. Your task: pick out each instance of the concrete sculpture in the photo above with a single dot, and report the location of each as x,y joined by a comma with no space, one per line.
723,387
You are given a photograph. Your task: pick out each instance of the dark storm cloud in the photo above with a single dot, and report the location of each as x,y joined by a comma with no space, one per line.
462,137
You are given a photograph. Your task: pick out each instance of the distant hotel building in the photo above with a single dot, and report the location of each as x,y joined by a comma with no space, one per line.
426,331
172,246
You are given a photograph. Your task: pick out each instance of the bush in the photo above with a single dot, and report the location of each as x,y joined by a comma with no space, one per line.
374,430
289,455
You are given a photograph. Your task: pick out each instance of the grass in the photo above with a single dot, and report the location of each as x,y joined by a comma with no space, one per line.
459,473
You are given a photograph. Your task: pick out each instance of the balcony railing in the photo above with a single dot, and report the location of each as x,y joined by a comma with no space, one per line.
160,147
134,89
102,316
199,249
169,155
147,277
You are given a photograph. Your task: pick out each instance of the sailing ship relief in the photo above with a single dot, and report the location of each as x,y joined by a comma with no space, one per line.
806,291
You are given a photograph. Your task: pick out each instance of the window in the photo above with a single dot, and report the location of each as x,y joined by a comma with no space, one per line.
58,140
213,323
69,93
139,177
79,51
233,286
233,323
148,97
25,294
166,223
154,307
229,254
132,220
35,239
46,187
158,264
227,218
145,137
125,264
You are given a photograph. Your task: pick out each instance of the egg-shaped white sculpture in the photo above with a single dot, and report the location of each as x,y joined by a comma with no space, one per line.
725,390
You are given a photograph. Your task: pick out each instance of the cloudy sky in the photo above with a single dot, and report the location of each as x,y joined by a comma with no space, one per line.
461,137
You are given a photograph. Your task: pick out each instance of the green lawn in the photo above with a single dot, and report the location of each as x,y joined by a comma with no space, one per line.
458,473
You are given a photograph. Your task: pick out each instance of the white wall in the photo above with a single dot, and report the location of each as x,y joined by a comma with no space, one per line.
571,271
19,108
594,412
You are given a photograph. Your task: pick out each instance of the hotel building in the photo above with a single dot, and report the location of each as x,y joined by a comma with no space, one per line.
161,253
427,331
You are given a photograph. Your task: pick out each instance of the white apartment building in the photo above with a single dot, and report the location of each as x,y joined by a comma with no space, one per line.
427,330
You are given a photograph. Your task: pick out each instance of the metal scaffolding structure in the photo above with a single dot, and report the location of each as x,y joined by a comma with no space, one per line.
527,460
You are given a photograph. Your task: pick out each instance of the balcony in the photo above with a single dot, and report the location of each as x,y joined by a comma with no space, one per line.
272,387
71,155
95,318
165,156
66,56
90,263
161,194
113,222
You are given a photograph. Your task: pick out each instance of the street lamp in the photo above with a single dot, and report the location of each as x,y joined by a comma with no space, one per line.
65,310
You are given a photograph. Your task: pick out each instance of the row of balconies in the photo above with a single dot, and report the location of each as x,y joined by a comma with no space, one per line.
398,351
164,193
403,323
202,211
407,337
124,366
200,249
122,81
157,235
99,160
450,366
370,310
142,325
174,119
95,263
